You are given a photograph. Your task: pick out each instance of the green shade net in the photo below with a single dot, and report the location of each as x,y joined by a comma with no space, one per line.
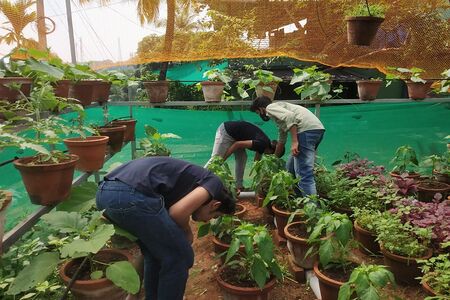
372,130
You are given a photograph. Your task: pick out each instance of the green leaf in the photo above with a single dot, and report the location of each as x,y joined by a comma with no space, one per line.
326,252
65,222
370,294
27,296
97,240
43,67
276,270
124,233
379,278
265,247
96,275
81,199
36,272
259,272
234,247
203,229
344,292
123,275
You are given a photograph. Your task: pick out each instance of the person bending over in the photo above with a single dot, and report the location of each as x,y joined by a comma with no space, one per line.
153,198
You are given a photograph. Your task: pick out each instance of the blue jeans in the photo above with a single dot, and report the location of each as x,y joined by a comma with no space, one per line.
168,254
302,165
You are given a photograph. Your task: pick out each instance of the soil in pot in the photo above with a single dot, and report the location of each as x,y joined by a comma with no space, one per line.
418,90
331,279
129,131
362,30
212,91
368,89
12,95
428,188
116,135
297,236
367,243
91,151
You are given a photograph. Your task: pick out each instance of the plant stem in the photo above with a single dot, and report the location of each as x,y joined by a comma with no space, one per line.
368,9
74,277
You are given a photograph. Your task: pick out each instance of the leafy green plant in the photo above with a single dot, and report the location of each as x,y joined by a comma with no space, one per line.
257,263
260,77
436,164
217,75
282,191
367,10
367,218
324,179
263,171
412,74
436,273
220,167
405,160
444,84
221,227
315,84
147,75
366,281
153,143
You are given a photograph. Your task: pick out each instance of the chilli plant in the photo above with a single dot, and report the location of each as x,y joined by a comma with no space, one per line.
153,143
263,171
220,167
405,160
282,191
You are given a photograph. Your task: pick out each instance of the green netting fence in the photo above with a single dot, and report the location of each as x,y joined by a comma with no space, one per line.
372,130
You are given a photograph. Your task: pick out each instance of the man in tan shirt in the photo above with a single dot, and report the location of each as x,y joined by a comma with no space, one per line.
306,132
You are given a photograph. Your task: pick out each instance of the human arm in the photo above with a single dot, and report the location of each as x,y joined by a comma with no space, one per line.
237,145
294,140
257,156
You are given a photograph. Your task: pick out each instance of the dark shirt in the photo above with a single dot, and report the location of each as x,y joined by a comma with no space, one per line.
244,131
172,178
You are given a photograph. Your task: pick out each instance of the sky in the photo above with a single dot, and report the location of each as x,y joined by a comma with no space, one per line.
108,32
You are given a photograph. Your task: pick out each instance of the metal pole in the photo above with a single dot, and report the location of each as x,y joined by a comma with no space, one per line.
317,112
70,28
42,34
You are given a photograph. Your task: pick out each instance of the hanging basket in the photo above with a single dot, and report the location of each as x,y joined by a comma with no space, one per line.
362,30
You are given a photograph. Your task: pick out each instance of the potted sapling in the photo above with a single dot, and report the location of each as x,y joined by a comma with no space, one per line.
405,161
157,90
427,189
12,80
418,88
363,21
368,89
264,82
213,88
365,225
153,144
262,172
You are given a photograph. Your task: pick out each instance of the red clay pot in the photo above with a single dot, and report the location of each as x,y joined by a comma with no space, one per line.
62,88
232,292
329,288
405,269
84,91
212,90
362,30
12,95
428,289
221,247
129,131
157,91
116,135
418,90
91,151
427,189
101,91
298,247
367,243
281,219
368,89
47,184
414,176
95,289
262,92
8,199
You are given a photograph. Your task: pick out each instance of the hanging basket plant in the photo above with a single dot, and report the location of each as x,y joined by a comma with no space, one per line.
363,22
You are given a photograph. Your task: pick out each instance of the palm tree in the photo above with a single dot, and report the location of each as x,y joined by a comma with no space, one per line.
18,19
185,16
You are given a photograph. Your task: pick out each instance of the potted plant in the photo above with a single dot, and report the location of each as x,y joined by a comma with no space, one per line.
220,167
405,161
324,179
363,21
402,244
153,143
368,89
109,78
315,84
365,225
441,169
5,200
157,90
253,273
213,89
436,274
84,82
12,80
332,236
262,172
130,124
366,282
426,189
444,84
263,82
418,88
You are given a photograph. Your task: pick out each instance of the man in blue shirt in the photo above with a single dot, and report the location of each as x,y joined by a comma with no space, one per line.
154,198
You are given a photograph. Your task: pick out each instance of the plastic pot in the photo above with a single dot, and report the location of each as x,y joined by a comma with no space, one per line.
418,90
260,91
281,219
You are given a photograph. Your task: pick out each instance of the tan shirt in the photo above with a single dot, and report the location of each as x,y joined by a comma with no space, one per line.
286,115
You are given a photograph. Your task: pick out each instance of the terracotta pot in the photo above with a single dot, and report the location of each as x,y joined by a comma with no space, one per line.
418,90
84,91
232,292
281,219
344,210
91,151
427,189
221,247
428,289
129,131
3,208
101,91
116,135
367,243
329,288
212,90
405,269
12,95
362,30
95,289
62,88
442,177
414,176
240,210
368,89
298,247
260,91
47,184
157,91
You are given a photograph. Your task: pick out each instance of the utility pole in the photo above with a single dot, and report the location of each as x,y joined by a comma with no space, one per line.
81,50
42,31
70,28
120,51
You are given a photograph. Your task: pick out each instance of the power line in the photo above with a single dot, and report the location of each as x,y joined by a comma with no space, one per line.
89,8
132,21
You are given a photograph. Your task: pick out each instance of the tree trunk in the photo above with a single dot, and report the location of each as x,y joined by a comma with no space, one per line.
168,39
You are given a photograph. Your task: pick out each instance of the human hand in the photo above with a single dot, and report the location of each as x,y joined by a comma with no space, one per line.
294,148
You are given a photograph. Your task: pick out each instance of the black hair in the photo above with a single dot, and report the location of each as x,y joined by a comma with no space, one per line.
227,202
260,102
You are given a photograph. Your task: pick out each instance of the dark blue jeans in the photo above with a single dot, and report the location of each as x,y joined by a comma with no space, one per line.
302,165
167,252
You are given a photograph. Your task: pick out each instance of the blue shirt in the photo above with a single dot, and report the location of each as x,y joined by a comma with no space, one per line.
170,177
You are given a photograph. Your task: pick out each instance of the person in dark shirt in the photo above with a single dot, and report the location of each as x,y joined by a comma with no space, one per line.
236,136
153,198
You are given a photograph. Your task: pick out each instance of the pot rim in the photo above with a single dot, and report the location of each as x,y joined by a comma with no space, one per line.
400,258
112,128
18,163
322,276
359,228
284,213
93,139
217,83
365,18
244,290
